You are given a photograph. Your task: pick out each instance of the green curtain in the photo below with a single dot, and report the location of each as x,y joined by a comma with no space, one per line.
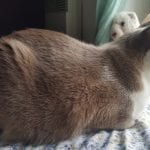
105,11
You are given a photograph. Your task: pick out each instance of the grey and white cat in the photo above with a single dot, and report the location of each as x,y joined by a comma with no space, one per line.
54,87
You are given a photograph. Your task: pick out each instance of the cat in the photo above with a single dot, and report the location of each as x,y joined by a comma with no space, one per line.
54,87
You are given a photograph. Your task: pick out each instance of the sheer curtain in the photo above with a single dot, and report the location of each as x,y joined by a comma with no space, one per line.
105,11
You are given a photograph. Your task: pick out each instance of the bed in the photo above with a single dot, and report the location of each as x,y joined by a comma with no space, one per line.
135,138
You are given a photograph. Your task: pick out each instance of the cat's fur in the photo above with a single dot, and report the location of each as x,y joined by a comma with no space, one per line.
53,87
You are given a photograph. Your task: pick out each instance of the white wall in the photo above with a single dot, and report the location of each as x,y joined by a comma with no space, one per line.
141,7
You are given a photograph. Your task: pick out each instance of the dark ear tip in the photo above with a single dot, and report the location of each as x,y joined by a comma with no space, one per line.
147,30
145,37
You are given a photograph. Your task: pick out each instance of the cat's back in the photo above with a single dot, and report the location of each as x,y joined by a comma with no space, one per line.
50,46
41,60
47,40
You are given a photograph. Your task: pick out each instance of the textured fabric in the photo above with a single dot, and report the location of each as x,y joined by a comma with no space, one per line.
135,138
105,12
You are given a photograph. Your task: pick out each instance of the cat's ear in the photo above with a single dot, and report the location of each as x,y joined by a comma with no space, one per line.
140,39
144,38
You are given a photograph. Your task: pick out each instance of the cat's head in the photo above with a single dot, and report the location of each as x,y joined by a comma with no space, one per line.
138,42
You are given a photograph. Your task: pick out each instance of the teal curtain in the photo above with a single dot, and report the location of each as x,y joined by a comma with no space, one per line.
105,11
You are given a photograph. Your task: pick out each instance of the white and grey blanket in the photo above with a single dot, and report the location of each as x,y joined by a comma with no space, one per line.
135,138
